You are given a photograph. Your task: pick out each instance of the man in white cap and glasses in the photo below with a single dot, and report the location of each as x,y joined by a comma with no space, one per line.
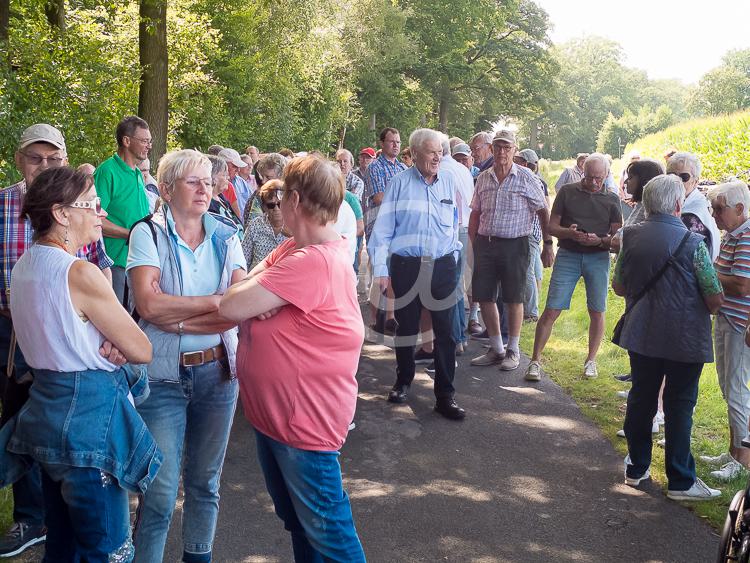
461,153
241,187
507,198
41,147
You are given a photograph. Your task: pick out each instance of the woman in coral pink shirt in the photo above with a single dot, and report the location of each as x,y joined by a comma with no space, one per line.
300,341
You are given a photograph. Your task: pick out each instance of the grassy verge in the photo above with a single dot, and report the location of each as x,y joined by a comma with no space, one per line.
563,361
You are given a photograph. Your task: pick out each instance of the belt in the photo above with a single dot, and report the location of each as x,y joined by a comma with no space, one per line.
423,259
192,359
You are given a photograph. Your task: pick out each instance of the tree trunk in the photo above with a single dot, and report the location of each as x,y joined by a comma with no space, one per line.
443,115
55,10
153,96
533,134
4,21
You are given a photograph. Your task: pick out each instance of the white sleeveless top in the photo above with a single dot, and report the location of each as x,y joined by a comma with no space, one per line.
49,331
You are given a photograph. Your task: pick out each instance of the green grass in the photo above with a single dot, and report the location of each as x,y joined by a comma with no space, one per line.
563,361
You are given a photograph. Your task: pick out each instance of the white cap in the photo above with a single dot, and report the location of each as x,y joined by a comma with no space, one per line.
231,155
42,133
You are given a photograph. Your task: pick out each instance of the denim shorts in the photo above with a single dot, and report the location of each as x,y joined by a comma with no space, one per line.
569,268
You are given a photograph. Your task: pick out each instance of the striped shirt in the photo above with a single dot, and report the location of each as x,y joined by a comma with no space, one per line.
379,174
355,185
507,210
17,236
734,260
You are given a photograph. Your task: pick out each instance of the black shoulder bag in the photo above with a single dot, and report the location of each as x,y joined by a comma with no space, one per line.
616,333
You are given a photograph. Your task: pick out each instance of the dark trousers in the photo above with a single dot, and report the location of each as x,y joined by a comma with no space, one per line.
680,396
28,503
419,283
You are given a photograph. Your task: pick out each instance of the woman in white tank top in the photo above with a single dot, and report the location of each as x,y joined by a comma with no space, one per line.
79,423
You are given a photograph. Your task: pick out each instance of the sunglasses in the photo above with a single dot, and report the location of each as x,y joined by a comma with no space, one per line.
95,204
273,205
684,176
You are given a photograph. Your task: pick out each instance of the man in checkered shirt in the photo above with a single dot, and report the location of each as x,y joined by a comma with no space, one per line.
41,147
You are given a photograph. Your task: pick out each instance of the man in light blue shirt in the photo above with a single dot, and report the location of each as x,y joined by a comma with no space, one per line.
414,248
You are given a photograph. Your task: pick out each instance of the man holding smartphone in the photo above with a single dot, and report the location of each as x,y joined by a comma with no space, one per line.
584,217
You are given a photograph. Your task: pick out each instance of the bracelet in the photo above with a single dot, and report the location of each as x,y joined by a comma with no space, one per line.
180,328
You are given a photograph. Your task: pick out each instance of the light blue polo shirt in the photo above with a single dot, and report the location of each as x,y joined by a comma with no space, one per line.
200,269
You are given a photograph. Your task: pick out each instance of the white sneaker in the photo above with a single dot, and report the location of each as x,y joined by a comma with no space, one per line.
654,430
487,359
623,394
635,481
352,426
533,372
621,433
717,460
699,491
589,370
511,360
659,418
729,471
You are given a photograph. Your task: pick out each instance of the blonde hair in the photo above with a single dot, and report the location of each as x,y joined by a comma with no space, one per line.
319,184
173,165
269,189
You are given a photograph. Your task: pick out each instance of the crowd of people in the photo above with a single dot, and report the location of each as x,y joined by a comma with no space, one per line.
140,309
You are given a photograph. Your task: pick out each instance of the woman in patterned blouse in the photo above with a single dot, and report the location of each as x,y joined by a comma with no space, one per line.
265,232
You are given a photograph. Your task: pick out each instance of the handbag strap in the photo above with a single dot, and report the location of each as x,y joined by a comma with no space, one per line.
657,276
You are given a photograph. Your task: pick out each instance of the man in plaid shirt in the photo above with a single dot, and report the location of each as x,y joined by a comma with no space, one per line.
41,147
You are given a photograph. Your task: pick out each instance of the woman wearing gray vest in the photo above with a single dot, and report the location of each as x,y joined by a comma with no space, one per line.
179,265
666,331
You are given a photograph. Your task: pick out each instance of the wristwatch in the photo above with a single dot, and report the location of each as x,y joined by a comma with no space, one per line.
180,328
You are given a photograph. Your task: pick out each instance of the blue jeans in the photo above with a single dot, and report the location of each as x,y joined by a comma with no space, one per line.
680,396
356,255
28,504
195,415
87,516
568,269
459,318
533,274
308,496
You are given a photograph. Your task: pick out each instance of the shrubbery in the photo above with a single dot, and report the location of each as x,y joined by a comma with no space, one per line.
721,143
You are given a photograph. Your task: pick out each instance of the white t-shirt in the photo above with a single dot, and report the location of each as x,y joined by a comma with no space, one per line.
346,226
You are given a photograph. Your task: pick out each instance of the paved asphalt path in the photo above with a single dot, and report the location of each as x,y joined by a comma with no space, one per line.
525,478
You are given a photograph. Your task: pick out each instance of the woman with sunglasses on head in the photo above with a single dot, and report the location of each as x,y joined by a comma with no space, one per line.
265,232
79,423
179,265
696,212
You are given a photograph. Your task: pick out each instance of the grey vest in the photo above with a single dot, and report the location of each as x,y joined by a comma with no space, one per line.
165,365
671,321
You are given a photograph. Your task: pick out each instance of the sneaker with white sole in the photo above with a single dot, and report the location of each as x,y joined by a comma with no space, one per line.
717,460
729,471
635,481
20,537
659,418
623,394
488,359
534,371
699,491
589,369
654,430
511,361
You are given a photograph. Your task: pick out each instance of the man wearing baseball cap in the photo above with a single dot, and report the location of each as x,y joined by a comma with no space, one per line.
507,197
461,153
41,146
366,156
242,188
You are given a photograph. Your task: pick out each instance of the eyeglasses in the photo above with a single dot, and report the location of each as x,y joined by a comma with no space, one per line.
35,159
147,142
503,148
684,176
597,179
95,204
718,210
194,182
273,205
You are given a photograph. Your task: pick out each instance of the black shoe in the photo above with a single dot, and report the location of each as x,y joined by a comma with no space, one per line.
20,537
624,377
390,327
482,336
398,394
449,409
431,368
422,357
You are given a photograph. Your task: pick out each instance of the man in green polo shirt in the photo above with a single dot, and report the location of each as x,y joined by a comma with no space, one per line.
119,184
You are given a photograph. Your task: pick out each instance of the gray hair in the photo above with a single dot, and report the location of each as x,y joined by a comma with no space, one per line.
688,160
218,165
345,152
662,194
446,144
420,136
733,192
483,136
598,157
272,160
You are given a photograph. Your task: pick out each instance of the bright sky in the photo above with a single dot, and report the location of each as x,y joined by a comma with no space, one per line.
667,38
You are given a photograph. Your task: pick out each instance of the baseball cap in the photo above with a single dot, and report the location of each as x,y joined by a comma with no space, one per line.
505,135
368,151
42,133
461,148
529,156
231,155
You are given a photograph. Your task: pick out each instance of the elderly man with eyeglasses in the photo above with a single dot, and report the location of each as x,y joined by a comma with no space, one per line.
120,185
41,147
